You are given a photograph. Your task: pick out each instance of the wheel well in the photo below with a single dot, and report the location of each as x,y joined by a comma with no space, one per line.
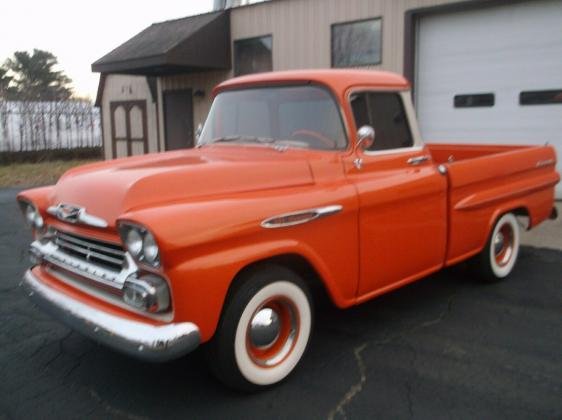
522,213
295,262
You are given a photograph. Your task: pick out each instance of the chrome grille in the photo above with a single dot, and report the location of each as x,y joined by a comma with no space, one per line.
104,254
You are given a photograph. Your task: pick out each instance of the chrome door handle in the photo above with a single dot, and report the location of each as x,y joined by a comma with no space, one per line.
418,160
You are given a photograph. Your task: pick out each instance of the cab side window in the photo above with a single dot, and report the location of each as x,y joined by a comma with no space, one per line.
384,111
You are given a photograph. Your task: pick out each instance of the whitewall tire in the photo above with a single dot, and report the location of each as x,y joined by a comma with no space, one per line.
264,329
498,258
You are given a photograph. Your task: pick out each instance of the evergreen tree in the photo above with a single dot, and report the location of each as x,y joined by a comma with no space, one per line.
34,78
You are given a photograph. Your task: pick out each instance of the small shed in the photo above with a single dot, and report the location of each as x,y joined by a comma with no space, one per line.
137,116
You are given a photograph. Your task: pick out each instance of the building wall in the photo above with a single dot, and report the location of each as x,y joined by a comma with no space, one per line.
127,88
301,31
204,81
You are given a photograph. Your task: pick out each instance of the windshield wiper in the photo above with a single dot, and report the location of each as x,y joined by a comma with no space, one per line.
252,139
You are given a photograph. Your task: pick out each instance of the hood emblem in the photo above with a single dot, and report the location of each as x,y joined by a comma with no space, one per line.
75,214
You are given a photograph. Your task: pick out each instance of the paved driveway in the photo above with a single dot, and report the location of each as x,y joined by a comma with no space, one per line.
443,347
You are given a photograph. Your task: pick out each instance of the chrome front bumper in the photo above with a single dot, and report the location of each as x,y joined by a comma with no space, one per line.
144,341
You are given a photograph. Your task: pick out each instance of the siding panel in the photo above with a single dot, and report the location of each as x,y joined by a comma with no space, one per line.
301,28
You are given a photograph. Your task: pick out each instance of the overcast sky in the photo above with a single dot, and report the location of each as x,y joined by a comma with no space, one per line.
80,32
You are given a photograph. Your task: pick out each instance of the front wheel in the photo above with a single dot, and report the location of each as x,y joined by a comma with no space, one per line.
498,258
264,330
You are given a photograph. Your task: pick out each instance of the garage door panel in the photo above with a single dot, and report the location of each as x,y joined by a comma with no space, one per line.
503,50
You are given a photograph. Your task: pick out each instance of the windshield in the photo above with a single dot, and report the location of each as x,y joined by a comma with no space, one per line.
293,116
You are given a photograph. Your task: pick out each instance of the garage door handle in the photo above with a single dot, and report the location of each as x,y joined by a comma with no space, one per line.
418,160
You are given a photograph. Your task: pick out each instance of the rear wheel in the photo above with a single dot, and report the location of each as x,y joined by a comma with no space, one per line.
264,330
498,258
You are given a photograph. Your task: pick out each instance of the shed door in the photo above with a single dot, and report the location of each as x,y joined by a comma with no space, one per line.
178,119
128,128
492,75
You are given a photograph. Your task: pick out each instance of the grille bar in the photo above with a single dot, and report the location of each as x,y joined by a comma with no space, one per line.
87,252
63,256
89,271
105,255
101,246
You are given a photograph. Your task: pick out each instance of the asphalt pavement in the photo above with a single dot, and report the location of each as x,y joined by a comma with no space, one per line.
444,347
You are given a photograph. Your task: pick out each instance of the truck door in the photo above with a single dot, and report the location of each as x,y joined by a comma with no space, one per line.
402,196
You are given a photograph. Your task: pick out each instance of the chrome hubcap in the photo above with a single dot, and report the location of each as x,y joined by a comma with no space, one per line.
272,332
265,328
498,243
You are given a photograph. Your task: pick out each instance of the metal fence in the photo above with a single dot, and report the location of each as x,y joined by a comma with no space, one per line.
32,126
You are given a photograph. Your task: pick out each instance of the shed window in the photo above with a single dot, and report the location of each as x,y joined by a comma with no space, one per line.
474,100
384,111
357,43
541,97
253,55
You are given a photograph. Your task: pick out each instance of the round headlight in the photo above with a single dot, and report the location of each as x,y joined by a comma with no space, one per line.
33,217
38,222
30,214
150,249
133,241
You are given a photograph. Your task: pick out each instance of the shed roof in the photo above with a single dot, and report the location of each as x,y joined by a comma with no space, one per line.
194,43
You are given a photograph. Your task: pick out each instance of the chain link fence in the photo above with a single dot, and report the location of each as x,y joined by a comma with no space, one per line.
44,126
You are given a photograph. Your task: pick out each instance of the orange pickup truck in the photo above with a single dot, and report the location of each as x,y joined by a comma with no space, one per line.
288,190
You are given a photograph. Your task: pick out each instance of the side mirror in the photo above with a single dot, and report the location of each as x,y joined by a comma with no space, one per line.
365,137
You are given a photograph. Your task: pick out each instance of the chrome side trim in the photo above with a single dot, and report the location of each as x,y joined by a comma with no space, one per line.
76,214
155,343
544,163
300,217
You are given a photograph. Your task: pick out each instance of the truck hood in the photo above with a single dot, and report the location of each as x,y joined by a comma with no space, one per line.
110,189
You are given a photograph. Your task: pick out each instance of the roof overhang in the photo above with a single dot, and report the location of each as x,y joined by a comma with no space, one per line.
192,44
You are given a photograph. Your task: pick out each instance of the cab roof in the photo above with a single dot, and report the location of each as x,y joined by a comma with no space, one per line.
338,79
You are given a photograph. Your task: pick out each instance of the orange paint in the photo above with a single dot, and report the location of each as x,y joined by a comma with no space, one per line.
398,222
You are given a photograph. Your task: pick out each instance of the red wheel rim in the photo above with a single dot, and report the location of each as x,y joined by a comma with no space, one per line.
504,245
275,352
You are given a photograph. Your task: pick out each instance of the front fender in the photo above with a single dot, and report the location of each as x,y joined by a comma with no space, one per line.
200,285
205,245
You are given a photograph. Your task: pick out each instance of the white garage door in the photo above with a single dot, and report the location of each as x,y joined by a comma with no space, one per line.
492,75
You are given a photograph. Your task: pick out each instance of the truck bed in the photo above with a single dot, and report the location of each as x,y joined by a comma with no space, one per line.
485,181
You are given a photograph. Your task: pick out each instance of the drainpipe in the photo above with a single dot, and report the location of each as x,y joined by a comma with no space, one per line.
219,5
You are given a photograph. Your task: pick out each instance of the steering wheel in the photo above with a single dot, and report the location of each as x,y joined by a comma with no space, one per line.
328,142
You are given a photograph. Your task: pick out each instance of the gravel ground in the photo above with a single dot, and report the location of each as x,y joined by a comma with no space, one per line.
443,347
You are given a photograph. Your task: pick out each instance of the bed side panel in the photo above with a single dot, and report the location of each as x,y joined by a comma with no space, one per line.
481,189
